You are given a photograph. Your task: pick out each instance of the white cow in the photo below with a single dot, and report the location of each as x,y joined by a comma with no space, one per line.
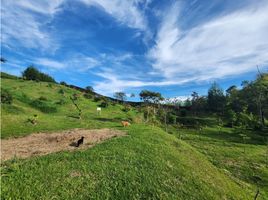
99,110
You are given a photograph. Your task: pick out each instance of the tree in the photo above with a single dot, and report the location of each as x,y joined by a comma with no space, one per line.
198,103
231,117
150,97
120,96
74,99
89,89
31,73
216,98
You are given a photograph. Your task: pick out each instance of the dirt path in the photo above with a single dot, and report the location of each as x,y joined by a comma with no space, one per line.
44,143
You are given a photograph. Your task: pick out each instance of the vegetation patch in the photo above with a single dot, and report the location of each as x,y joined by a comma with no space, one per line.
44,106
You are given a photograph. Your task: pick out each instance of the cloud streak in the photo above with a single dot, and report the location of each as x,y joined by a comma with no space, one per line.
22,23
225,46
125,12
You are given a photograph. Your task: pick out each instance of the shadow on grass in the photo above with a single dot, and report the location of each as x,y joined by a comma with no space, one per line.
73,116
116,119
234,135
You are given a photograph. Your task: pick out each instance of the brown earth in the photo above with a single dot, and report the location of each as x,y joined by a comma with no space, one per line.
44,143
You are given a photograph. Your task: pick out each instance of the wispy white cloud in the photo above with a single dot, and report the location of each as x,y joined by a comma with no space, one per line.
49,63
22,23
125,12
114,82
227,45
224,46
80,63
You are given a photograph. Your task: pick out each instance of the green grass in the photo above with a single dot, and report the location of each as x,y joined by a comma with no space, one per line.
227,150
145,164
148,163
15,117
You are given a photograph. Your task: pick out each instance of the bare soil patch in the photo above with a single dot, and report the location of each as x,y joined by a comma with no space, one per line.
45,143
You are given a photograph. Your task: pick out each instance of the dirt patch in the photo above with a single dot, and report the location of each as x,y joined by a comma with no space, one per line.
44,143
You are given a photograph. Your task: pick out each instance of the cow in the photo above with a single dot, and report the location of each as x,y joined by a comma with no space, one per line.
125,123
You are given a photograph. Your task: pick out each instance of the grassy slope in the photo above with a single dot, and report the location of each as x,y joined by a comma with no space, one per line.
146,164
239,159
14,117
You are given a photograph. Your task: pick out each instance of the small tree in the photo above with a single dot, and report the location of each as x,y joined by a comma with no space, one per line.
216,98
150,97
120,96
89,89
74,99
231,117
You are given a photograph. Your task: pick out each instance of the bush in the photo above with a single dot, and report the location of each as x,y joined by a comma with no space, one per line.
248,121
87,95
42,98
61,102
31,73
183,113
6,97
23,98
104,104
89,89
61,91
43,106
97,98
63,83
171,118
126,108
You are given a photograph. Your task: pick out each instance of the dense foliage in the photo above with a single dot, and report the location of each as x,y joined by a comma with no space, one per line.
31,73
6,97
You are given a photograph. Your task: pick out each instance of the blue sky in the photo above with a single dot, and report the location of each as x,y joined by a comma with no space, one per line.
173,47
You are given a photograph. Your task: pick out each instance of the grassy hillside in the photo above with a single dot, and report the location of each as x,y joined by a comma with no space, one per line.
227,150
148,163
62,113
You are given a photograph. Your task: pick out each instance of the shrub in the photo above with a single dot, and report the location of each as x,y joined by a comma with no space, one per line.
97,98
126,108
104,104
183,113
171,118
6,97
42,98
63,83
61,91
43,106
88,95
89,89
23,98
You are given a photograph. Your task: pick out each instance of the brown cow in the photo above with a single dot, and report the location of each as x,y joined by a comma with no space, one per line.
125,123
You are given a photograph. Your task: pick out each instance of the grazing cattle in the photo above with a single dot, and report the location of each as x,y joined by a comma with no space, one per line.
80,141
125,123
99,110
